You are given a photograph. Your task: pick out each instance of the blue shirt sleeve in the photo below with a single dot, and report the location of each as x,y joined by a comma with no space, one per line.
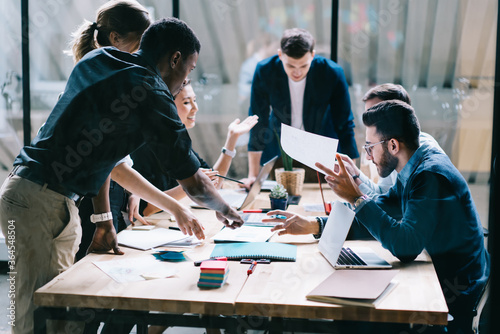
405,238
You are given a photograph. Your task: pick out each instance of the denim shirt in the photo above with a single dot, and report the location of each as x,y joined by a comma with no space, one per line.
430,207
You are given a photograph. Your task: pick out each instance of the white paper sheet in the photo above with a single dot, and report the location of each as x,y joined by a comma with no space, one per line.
148,239
132,270
308,148
244,234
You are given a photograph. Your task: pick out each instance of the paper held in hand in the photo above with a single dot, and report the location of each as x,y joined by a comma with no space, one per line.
308,148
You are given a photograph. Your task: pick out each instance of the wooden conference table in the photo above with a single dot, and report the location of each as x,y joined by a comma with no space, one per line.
272,298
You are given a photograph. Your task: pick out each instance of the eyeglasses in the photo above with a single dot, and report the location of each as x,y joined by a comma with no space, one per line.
369,147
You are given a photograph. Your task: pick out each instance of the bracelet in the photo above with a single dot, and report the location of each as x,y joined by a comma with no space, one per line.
101,217
321,224
228,152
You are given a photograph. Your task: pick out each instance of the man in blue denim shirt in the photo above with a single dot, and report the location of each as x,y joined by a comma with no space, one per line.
430,207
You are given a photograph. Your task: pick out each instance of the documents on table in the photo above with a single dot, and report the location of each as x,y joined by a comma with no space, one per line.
314,207
144,240
245,233
255,219
308,148
135,269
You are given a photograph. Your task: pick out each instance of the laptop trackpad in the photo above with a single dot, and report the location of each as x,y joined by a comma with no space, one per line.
369,256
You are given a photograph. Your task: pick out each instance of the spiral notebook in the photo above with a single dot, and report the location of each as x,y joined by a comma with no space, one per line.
256,250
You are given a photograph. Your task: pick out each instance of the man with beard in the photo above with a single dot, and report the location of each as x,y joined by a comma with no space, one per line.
379,93
430,207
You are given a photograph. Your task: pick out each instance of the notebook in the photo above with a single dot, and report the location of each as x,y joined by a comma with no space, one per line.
355,287
256,250
240,199
333,237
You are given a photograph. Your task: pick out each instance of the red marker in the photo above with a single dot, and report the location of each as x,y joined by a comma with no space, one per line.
252,268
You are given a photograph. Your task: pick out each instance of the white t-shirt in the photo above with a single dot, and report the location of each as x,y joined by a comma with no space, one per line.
297,89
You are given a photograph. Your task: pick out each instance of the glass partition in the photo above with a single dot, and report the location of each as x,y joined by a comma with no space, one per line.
10,84
443,53
235,35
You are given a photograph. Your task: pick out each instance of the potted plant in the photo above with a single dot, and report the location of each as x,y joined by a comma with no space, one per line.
278,197
291,178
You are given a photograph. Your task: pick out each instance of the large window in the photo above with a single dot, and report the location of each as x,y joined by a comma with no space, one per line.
10,84
235,35
443,53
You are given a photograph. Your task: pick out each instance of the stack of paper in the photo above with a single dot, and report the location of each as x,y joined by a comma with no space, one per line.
213,274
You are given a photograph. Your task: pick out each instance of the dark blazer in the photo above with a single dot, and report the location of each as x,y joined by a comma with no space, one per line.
327,106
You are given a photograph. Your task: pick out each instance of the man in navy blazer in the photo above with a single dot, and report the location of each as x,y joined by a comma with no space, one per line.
299,89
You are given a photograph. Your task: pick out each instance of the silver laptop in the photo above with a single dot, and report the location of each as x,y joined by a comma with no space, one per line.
240,199
333,238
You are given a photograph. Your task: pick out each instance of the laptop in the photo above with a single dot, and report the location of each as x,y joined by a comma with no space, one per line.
240,199
332,241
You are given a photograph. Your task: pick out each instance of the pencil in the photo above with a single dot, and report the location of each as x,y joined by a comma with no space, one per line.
230,179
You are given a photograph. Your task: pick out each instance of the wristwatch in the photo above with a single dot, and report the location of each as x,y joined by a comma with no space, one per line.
228,152
101,217
359,200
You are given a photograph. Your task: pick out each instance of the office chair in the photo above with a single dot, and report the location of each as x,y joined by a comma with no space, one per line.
478,308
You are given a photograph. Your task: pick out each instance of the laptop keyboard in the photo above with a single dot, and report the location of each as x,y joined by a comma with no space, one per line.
349,258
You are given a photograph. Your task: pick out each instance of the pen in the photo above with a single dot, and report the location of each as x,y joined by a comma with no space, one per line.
174,228
230,179
198,263
278,216
257,211
252,268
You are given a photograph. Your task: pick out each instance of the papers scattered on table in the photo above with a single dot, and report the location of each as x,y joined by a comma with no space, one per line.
133,270
143,227
255,219
189,242
308,148
144,240
245,233
314,207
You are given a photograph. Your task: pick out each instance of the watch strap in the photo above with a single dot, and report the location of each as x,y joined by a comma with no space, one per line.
228,152
101,217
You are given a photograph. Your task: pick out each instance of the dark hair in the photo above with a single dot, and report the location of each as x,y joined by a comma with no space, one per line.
394,119
122,17
297,42
388,91
167,36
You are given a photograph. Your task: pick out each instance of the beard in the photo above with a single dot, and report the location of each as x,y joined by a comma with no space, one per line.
387,164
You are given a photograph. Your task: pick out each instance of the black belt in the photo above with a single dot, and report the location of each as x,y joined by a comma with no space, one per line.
26,173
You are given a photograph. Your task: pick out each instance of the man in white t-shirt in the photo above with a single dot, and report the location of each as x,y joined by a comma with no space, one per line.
298,88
